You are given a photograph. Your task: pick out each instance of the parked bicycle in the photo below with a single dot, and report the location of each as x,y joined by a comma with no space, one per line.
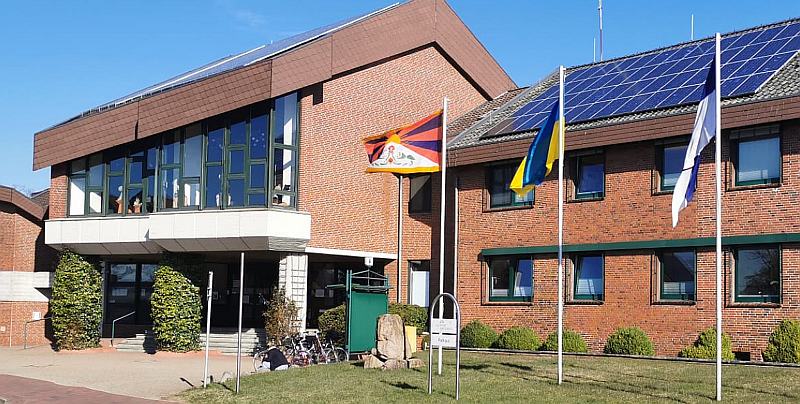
303,349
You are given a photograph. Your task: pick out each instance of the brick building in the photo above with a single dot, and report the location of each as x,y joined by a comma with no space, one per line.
26,266
625,265
260,153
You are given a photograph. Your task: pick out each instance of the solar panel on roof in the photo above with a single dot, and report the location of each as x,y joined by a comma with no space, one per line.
661,79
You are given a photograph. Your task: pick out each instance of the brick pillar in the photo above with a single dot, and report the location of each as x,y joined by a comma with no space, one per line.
293,279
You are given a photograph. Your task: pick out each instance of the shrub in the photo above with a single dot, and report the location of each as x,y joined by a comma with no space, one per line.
280,317
706,346
519,338
76,303
572,342
629,341
332,324
784,343
477,335
413,316
176,306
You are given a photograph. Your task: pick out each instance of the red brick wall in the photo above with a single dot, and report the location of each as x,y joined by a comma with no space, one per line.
58,191
13,316
630,212
350,208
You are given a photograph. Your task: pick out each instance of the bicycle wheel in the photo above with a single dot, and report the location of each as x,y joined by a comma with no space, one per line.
340,354
258,359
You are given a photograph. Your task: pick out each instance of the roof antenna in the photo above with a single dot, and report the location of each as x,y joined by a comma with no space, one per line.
600,10
594,50
692,34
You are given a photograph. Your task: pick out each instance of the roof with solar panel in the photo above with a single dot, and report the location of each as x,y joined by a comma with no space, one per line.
757,64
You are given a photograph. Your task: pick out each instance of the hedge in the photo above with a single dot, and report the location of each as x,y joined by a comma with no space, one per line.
572,342
629,341
332,324
76,303
413,316
706,346
478,335
176,305
784,343
519,338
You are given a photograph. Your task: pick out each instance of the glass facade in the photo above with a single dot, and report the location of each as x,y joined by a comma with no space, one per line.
233,160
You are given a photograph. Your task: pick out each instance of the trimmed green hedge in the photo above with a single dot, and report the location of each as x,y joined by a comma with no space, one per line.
76,303
519,338
706,346
629,341
413,316
176,305
784,343
572,342
478,335
332,324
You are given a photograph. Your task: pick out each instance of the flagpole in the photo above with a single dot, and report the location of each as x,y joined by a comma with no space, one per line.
717,167
400,238
441,217
561,130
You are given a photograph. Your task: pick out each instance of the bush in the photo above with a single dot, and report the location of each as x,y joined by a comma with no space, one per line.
280,317
784,343
706,346
413,316
519,338
572,342
76,303
477,335
629,341
332,324
176,305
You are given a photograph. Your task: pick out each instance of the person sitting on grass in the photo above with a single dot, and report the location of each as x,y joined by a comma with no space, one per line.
274,360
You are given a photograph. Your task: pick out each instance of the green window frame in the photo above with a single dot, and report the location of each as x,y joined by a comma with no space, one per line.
588,291
672,284
769,282
115,185
235,182
581,162
285,144
669,161
509,274
257,165
498,182
762,139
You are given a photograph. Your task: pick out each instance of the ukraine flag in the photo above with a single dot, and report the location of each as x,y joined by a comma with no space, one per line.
541,155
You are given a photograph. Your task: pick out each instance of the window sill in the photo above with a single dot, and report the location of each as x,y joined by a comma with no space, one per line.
507,303
734,188
507,208
754,305
592,199
585,302
674,303
660,193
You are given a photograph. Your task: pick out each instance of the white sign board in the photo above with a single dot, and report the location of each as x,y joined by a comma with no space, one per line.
443,340
444,326
368,261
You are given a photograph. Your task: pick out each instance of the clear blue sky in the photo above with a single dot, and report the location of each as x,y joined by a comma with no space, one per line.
62,57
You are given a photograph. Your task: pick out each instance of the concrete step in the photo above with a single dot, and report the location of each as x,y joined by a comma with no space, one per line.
225,342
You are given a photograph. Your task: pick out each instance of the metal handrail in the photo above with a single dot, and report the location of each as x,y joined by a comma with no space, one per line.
25,330
114,324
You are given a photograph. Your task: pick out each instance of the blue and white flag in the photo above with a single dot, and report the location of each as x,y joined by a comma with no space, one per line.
704,131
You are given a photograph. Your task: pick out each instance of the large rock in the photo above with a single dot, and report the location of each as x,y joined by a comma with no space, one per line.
414,363
392,364
372,362
391,337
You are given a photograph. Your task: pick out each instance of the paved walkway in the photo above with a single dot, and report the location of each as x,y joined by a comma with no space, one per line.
128,374
19,390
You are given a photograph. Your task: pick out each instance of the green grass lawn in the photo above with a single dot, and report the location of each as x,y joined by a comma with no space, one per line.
506,378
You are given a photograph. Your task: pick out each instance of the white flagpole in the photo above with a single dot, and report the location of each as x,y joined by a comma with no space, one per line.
441,218
400,239
239,335
560,224
209,294
717,167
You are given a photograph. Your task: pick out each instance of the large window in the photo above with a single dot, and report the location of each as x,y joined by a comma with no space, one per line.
237,159
589,176
421,190
677,275
510,279
758,274
670,160
588,282
498,178
756,155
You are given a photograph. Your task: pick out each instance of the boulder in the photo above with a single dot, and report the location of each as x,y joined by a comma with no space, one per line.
414,363
391,337
372,362
392,364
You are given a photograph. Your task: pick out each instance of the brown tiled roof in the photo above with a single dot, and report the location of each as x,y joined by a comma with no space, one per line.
465,121
16,198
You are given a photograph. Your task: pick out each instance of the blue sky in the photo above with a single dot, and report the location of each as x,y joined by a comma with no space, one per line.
61,58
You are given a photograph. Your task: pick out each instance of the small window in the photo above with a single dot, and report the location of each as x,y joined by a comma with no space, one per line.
510,279
590,176
758,274
588,278
498,182
677,275
671,158
421,189
756,155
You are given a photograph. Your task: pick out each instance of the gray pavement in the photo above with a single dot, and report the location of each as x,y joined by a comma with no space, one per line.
140,375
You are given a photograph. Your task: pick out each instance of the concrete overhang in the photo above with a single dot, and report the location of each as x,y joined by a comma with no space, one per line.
184,231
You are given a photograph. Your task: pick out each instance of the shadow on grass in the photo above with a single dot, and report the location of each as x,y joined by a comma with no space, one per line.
622,387
475,366
402,385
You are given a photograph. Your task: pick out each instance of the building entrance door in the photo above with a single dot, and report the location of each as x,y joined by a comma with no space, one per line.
129,287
